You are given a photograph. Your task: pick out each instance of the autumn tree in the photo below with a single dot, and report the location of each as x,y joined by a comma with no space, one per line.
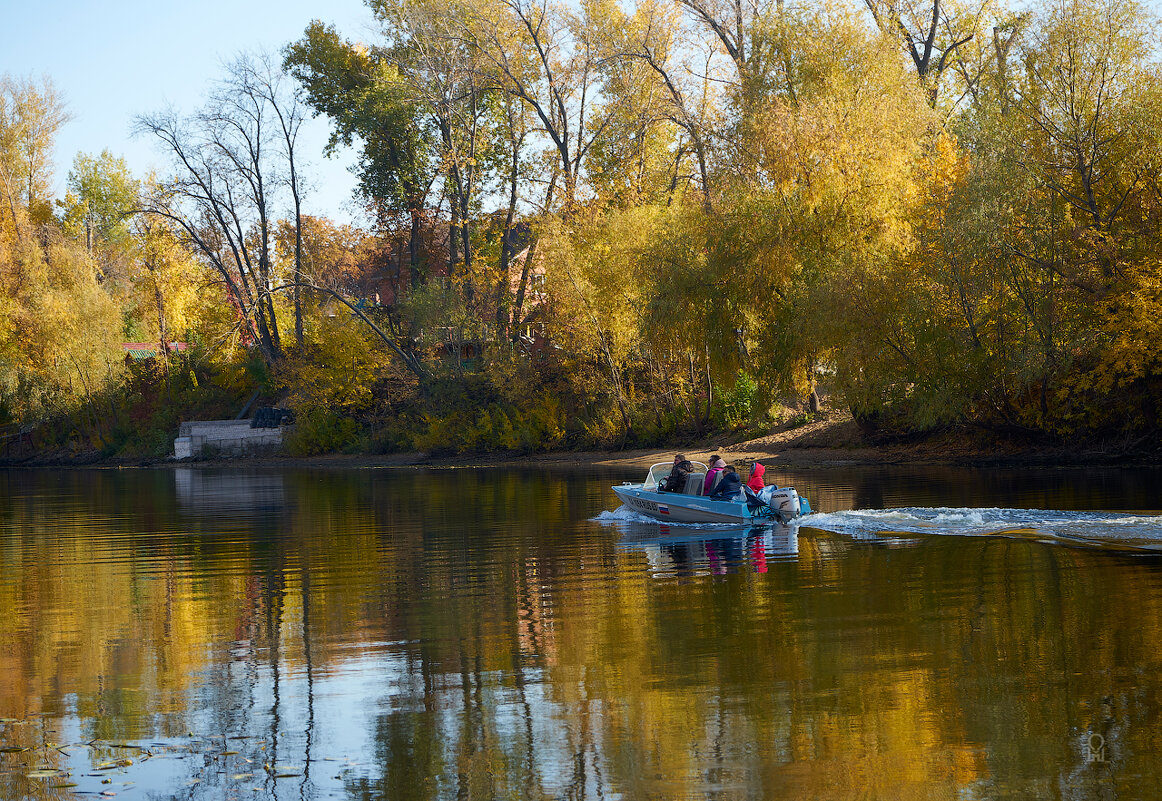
31,113
1079,101
440,68
1086,140
368,101
224,193
824,208
59,330
169,280
260,78
687,97
550,59
101,197
933,34
1031,255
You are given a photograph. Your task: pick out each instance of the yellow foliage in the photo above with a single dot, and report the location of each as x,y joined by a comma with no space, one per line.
1132,329
61,329
339,368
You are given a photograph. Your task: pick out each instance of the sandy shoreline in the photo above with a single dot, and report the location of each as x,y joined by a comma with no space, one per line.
828,442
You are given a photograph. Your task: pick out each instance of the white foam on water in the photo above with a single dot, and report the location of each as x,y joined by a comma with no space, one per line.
622,514
1116,529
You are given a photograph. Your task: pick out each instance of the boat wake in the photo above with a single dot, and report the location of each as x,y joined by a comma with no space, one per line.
1127,531
622,514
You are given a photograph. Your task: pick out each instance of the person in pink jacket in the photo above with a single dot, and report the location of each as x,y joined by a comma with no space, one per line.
716,465
756,482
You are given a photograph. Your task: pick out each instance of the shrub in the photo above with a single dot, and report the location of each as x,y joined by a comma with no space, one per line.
736,404
320,431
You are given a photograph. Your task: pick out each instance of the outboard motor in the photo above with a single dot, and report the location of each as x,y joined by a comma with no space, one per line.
785,502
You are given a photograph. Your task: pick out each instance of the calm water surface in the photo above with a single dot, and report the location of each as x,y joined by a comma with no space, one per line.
501,633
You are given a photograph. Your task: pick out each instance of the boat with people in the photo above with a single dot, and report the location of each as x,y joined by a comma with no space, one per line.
694,503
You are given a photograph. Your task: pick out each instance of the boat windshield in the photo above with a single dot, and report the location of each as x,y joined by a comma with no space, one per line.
661,470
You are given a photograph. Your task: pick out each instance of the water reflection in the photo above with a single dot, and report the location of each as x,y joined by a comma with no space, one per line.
472,634
209,493
687,551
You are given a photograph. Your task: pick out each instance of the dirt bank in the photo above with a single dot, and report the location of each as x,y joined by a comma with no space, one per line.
832,439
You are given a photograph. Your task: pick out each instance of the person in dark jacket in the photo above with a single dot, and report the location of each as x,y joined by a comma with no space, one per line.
676,481
728,487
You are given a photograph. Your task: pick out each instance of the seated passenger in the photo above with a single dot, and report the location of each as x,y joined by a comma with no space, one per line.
716,465
676,481
728,488
756,481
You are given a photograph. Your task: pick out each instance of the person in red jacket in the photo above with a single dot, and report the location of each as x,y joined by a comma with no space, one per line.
756,482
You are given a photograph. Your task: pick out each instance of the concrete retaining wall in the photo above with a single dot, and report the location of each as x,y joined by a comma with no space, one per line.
199,438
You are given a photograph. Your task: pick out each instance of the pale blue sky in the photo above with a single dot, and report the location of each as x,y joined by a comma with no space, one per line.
113,61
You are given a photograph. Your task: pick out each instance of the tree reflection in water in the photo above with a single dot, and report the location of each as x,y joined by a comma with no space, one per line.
472,634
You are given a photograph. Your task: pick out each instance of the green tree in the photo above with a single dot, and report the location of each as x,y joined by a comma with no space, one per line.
367,99
102,196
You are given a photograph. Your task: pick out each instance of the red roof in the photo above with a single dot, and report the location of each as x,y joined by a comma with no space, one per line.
147,350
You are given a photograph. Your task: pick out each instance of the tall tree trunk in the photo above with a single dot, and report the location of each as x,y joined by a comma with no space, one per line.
518,309
653,370
694,389
709,387
414,249
12,207
522,288
163,334
504,282
298,300
466,234
453,234
615,374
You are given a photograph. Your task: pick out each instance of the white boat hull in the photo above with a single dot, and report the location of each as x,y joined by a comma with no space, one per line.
678,508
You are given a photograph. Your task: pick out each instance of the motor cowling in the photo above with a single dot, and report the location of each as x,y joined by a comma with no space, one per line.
785,502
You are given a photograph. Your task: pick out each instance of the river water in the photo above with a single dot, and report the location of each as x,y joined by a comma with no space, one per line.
509,633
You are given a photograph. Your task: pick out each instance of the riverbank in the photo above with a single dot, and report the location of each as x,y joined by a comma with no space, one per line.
833,439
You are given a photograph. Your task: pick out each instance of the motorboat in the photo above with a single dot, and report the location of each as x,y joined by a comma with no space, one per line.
773,504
